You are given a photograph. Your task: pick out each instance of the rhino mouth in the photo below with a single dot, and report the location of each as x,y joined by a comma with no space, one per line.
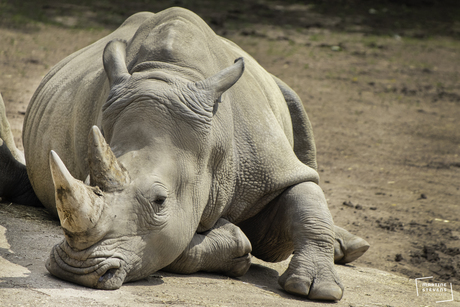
94,269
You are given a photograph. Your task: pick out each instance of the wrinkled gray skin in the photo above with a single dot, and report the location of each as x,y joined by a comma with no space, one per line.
197,166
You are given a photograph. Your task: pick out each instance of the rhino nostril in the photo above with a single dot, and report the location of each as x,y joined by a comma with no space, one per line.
107,275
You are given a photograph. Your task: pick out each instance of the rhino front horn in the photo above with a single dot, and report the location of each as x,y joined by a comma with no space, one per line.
79,206
104,169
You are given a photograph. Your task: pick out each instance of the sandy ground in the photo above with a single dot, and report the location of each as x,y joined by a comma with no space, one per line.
385,111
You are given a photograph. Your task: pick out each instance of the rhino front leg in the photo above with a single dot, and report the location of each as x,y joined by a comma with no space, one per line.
223,249
298,221
309,224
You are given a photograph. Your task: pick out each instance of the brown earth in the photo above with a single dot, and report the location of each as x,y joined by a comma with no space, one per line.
381,84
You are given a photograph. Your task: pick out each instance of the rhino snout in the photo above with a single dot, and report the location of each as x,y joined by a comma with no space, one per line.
112,279
107,273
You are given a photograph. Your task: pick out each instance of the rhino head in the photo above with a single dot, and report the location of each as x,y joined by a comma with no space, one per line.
148,188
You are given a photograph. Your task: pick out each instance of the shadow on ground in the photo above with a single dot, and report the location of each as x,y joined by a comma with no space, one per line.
411,18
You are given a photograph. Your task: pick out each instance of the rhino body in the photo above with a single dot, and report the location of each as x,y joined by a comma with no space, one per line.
165,146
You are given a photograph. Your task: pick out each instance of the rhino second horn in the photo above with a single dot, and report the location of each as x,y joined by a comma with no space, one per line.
79,206
105,170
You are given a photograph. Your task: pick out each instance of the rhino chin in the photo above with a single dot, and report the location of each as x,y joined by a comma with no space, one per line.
103,273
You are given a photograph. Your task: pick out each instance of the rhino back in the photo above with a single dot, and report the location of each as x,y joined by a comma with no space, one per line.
62,110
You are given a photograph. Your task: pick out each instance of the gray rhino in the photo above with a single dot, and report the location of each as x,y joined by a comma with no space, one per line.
158,150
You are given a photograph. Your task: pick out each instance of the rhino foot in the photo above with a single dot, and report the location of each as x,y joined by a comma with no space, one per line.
316,280
348,247
239,266
311,271
223,249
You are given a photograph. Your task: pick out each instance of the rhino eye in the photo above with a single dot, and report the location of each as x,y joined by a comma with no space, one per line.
158,194
159,200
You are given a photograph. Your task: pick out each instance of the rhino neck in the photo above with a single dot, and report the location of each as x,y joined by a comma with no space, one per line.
222,161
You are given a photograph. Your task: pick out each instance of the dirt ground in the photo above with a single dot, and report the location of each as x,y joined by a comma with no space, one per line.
381,84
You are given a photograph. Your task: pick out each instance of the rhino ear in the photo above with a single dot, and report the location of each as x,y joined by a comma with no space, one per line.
114,59
222,81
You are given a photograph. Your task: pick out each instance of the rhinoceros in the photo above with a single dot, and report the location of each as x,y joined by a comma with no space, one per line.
166,146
